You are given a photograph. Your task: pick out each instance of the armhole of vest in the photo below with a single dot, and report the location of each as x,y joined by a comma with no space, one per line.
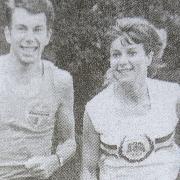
178,92
54,84
95,127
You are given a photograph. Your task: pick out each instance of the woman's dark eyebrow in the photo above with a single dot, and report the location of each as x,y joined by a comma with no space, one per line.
39,26
116,50
132,49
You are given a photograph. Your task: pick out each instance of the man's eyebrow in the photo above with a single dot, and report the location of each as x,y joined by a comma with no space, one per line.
20,25
39,26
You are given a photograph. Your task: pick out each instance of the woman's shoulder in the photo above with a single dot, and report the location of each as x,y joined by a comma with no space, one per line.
98,107
163,86
101,99
164,91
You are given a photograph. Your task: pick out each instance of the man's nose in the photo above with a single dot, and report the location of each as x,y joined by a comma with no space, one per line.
29,36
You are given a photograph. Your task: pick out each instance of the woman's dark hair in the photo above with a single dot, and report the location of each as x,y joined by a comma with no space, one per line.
136,30
139,31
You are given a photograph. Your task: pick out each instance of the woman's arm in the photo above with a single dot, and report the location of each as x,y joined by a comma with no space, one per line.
177,134
178,108
90,150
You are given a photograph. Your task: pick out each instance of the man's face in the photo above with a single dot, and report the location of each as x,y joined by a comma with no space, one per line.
28,35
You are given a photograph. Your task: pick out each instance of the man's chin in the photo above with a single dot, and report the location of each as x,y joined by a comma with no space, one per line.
28,60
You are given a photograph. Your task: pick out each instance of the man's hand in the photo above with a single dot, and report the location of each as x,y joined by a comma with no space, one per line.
42,167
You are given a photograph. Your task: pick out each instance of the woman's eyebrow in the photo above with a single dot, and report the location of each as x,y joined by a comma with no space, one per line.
116,50
132,48
39,26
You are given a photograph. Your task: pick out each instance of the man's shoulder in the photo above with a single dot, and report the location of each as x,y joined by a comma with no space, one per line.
3,58
3,63
62,78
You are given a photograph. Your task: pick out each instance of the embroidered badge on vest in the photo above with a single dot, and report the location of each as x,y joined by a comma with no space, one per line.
38,113
136,149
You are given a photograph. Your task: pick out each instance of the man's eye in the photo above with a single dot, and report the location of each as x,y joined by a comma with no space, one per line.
38,30
21,28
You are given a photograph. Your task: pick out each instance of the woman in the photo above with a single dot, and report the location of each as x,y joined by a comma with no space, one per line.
129,126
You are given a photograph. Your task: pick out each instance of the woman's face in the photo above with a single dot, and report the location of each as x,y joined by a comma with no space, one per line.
128,62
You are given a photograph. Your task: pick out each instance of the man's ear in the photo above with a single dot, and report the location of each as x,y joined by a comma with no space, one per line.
7,34
49,34
150,58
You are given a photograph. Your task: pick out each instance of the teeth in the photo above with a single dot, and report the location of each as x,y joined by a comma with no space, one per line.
119,69
29,49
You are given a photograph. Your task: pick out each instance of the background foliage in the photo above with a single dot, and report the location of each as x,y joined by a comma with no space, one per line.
79,35
77,43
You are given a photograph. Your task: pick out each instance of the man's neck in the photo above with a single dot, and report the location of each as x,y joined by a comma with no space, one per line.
23,72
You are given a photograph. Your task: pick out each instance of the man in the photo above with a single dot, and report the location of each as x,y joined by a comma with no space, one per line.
36,98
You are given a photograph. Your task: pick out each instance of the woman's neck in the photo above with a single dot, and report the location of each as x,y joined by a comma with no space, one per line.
131,94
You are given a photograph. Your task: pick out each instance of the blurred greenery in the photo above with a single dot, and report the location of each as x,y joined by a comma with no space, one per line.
77,44
79,40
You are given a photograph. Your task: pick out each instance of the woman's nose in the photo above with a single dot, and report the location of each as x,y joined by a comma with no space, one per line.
123,61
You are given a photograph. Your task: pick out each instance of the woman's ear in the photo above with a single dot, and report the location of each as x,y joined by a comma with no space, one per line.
150,58
49,34
163,36
7,34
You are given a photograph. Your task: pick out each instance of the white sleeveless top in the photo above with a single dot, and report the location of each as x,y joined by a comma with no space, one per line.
27,122
135,140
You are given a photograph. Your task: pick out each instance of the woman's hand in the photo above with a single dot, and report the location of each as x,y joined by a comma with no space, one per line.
42,167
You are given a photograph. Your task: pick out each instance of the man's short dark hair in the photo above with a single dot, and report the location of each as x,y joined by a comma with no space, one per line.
32,6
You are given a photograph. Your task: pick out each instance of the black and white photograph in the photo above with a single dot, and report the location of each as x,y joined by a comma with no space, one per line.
89,90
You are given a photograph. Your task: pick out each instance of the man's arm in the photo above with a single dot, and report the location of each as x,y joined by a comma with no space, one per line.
64,134
65,124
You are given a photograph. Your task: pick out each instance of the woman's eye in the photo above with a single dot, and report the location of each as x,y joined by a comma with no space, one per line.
115,55
132,53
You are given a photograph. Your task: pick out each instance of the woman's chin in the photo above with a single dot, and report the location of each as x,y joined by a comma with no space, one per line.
127,79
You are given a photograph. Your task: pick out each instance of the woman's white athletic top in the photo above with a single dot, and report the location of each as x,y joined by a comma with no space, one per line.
137,146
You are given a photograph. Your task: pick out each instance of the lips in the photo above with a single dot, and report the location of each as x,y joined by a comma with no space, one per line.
29,49
123,70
